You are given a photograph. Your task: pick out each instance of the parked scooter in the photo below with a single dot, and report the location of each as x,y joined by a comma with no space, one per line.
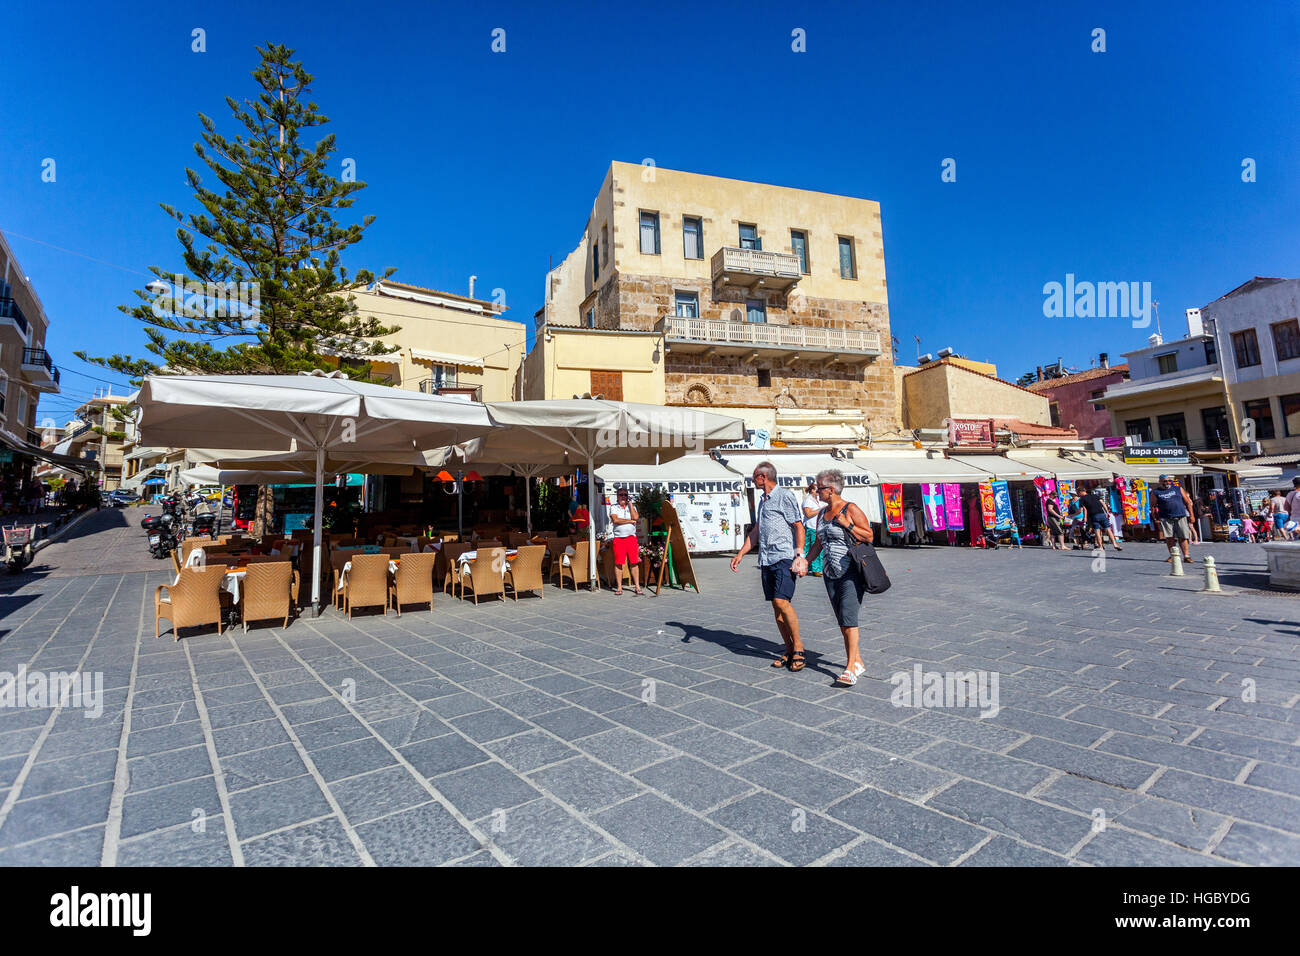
163,532
18,546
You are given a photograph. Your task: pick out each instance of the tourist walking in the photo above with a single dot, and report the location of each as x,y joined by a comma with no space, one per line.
1293,507
1279,513
1055,528
1171,509
841,524
1098,517
623,517
778,537
1074,514
810,508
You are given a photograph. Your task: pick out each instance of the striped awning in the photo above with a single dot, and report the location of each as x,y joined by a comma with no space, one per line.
447,358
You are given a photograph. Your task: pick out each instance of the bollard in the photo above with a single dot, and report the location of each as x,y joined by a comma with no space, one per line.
1176,565
1211,577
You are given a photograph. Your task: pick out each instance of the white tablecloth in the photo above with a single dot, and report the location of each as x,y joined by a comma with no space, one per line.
229,583
469,556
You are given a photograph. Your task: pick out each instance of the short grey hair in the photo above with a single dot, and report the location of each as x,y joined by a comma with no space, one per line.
833,477
767,470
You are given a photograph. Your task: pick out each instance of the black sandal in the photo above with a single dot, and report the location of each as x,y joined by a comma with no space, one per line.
784,660
797,661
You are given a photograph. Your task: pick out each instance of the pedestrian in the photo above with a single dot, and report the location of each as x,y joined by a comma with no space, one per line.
1293,507
811,506
581,518
1200,508
778,536
1279,514
623,516
841,524
1098,517
1055,529
1171,509
1074,514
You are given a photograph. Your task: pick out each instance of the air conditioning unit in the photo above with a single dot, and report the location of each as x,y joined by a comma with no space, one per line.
926,359
1250,448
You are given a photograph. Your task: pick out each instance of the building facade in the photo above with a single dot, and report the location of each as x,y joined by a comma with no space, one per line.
26,370
762,301
1074,401
946,389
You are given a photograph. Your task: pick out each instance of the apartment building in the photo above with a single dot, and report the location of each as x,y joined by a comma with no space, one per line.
26,371
764,302
446,343
1074,399
97,439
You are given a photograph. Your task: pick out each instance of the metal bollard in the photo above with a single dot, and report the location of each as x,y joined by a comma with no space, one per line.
1176,565
1211,577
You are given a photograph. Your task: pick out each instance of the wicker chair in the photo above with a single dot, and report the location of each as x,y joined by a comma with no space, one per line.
525,571
484,574
554,556
446,570
194,600
413,581
267,590
176,562
367,583
189,544
337,560
578,567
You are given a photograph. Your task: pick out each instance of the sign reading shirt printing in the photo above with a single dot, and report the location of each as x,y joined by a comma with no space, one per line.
1155,455
970,431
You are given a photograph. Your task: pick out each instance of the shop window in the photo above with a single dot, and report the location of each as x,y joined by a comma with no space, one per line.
1141,427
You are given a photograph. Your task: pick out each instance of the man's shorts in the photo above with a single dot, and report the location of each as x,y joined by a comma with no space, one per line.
1279,520
1175,528
778,582
1099,523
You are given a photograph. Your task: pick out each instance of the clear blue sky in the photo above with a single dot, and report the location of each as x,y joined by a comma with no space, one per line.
1115,166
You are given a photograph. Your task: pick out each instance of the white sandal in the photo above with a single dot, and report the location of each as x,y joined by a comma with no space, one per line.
851,674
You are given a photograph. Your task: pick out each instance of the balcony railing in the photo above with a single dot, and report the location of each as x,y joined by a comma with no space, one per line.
754,267
761,336
432,387
39,358
9,310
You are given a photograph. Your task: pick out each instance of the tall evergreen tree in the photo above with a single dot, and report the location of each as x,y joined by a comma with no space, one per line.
263,290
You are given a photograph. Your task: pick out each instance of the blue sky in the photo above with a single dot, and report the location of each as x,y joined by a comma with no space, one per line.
1115,166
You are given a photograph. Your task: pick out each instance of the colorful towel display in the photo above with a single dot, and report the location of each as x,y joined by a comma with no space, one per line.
932,498
987,506
1046,488
952,507
1002,505
1143,495
893,495
1129,498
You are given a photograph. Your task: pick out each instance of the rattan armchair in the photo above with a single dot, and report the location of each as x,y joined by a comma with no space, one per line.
447,571
555,556
525,571
367,583
267,591
194,600
337,560
578,567
413,581
176,562
485,574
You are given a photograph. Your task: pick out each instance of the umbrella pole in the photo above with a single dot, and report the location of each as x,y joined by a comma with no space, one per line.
460,506
591,519
316,531
528,505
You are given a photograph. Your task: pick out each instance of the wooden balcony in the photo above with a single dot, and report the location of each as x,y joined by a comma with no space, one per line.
781,344
754,268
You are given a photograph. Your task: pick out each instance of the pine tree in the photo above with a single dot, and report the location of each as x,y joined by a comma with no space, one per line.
263,291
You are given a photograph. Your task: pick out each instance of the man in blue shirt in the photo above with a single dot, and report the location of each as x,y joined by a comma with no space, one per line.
1171,507
778,535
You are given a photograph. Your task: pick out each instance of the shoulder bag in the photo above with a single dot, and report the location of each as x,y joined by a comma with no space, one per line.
866,562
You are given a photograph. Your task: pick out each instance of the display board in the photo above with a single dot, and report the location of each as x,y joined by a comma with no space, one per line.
677,551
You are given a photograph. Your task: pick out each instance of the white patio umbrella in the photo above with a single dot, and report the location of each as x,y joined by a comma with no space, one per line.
592,432
314,413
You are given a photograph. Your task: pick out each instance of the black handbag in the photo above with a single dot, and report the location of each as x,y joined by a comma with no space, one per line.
867,564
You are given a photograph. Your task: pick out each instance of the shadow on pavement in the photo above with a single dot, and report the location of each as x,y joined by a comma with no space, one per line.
748,645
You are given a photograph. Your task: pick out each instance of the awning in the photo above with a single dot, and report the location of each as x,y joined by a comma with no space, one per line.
916,467
1116,465
1002,468
1243,469
145,452
447,358
11,441
690,474
1282,460
1061,467
796,471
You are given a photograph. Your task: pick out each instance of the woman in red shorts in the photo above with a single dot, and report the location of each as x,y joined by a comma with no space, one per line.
623,517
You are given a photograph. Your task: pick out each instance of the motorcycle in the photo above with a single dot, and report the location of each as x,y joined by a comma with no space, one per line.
18,546
163,531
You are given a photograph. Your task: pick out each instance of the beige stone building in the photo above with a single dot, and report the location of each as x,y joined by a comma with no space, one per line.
446,343
26,370
762,301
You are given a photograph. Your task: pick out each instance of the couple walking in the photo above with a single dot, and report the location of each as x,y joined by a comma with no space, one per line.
778,536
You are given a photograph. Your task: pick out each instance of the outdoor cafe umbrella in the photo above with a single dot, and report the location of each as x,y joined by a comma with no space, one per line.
314,413
592,432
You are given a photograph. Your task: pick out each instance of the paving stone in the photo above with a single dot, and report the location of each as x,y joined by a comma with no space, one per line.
786,829
873,733
173,766
70,773
534,749
485,789
650,719
542,833
917,829
1015,816
692,783
584,784
261,766
378,793
322,843
1084,763
56,814
657,830
159,739
245,737
870,853
1220,796
1186,826
1003,851
1275,778
400,731
440,755
572,723
1113,847
624,750
277,805
1174,755
489,725
884,771
423,836
720,749
783,735
82,848
1247,843
731,854
1283,754
1004,772
168,806
808,786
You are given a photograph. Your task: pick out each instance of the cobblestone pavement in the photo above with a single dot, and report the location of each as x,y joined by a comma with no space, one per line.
522,734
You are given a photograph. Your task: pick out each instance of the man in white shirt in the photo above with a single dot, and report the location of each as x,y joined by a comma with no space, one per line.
1293,507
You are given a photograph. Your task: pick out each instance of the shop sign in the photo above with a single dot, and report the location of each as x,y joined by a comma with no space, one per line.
6,455
758,438
970,431
1152,454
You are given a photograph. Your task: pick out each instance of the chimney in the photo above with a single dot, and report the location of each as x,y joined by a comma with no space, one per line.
1040,373
1105,360
471,286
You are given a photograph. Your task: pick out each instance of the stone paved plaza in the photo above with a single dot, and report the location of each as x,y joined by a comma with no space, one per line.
518,733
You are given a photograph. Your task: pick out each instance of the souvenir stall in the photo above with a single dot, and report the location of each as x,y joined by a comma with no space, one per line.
796,470
708,498
924,486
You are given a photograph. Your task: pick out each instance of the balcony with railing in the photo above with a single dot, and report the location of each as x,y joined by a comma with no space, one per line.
11,316
40,371
432,386
786,343
749,268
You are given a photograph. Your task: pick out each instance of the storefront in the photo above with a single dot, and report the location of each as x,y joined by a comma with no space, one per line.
797,470
924,494
709,499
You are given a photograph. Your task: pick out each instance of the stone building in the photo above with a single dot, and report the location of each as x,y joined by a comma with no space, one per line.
761,301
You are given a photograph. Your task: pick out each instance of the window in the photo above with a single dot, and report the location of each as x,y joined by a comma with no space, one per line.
799,246
1167,363
595,261
443,376
1141,427
22,409
1096,395
1291,414
1055,409
755,310
607,384
1261,410
1215,423
650,233
688,305
749,237
764,378
1211,352
604,244
1173,426
848,268
1286,339
4,392
692,237
1245,347
591,318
